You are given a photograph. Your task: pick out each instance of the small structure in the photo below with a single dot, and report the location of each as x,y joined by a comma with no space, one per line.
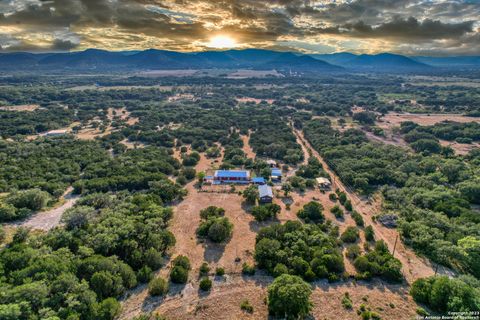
271,163
56,133
232,176
265,194
323,183
208,180
276,175
258,180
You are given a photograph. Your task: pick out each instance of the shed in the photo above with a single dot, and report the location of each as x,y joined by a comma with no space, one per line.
258,180
323,183
265,193
271,163
276,174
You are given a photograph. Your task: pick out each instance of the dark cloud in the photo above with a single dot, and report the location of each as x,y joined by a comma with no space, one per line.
181,23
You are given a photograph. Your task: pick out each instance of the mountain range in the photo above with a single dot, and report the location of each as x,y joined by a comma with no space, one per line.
152,59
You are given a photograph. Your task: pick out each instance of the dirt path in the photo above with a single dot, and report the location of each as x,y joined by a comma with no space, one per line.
413,266
247,148
46,220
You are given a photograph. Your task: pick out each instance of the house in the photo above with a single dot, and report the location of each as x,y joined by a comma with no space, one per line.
323,183
271,163
265,193
276,175
258,180
232,176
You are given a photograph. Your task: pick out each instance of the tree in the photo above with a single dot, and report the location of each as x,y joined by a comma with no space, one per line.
289,297
312,212
251,194
108,309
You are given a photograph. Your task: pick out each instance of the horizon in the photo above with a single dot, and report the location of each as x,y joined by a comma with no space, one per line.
244,49
406,27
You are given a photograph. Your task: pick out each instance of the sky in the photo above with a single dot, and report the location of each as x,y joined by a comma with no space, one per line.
410,27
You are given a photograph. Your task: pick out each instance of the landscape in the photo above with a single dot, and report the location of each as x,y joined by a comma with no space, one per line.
230,179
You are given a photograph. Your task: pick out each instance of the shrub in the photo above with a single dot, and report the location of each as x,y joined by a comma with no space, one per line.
357,217
246,306
337,211
348,205
280,269
220,230
219,271
379,262
350,235
211,212
289,297
204,268
158,287
346,301
179,275
145,274
108,309
332,196
369,233
205,284
353,251
248,269
182,261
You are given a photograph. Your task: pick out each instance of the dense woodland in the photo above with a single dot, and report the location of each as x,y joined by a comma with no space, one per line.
117,233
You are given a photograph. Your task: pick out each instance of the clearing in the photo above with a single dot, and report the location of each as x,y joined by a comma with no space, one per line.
23,107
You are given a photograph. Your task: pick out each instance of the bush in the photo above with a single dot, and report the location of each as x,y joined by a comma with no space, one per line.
346,301
379,262
179,275
357,217
350,235
332,196
280,269
33,199
312,212
348,205
289,297
211,212
145,274
204,268
205,284
248,269
219,271
246,306
353,251
214,226
369,233
182,261
337,211
158,287
264,212
108,309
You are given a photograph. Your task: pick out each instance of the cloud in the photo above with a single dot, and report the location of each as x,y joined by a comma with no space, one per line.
401,25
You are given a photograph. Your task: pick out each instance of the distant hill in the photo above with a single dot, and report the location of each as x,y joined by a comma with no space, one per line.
450,61
387,62
152,59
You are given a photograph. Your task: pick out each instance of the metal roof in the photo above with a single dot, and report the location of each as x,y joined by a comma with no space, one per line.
265,191
258,179
232,173
276,172
323,180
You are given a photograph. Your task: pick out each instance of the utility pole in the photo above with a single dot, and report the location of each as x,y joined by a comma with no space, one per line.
395,245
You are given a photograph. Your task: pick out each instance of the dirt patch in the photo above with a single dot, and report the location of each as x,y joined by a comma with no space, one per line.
254,100
244,74
23,107
391,120
223,302
169,73
247,148
460,148
46,220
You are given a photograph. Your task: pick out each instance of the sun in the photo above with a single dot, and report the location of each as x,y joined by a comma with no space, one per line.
222,42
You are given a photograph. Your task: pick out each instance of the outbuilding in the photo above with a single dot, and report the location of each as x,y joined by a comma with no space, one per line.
276,175
323,183
258,180
265,193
